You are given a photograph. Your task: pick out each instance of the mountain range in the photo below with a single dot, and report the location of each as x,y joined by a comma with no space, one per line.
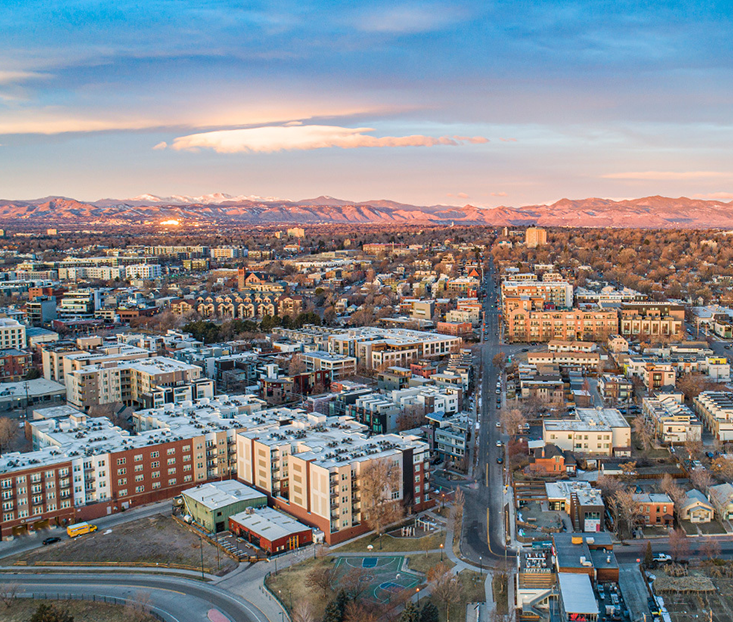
654,212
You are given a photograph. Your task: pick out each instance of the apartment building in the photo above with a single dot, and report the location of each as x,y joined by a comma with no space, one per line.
145,383
338,365
583,503
313,471
615,388
673,422
12,334
80,303
647,320
715,408
581,361
600,431
143,271
556,293
534,237
376,348
575,324
654,374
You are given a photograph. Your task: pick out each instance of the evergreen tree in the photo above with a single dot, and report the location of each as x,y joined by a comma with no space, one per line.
49,613
648,555
410,613
429,612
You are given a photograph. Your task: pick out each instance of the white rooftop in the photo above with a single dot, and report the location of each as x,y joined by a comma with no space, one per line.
577,595
269,524
216,495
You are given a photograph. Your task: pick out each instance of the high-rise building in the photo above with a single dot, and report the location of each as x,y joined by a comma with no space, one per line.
535,237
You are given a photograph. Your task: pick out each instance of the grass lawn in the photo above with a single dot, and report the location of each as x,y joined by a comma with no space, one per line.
445,511
158,539
501,597
388,543
422,563
21,610
291,584
713,527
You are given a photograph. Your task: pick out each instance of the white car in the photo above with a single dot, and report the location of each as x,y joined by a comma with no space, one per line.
498,443
662,557
498,424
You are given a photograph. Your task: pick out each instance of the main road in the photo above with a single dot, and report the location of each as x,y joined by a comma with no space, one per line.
483,539
174,599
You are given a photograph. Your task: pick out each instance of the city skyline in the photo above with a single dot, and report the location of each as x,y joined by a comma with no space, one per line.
421,103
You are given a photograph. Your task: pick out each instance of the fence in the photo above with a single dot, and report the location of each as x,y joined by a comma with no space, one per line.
110,600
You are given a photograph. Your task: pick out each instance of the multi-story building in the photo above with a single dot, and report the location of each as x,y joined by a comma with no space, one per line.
649,320
80,303
534,237
557,293
40,310
14,364
12,333
673,422
615,389
583,503
602,431
586,325
146,383
340,366
314,472
715,408
654,374
581,361
143,271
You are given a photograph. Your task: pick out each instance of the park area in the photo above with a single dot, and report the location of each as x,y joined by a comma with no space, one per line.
155,540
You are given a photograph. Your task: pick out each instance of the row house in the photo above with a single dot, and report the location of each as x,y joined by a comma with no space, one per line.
641,321
673,422
715,408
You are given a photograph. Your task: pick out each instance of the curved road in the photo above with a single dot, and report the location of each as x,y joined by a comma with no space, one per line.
173,598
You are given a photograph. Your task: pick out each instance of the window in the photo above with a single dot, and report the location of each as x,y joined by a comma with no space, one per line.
122,481
171,451
156,485
139,488
7,483
417,499
138,457
172,482
121,471
8,517
138,468
187,478
65,504
139,478
187,448
187,458
171,460
154,454
186,467
122,493
155,465
49,474
121,461
156,474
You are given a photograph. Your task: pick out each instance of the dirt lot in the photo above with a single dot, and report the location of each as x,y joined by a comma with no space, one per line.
158,539
390,543
686,607
21,609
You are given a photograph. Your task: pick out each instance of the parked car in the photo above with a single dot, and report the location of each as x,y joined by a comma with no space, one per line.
498,424
52,540
500,460
499,443
662,557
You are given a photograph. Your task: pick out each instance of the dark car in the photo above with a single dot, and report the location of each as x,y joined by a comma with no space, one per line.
52,540
500,460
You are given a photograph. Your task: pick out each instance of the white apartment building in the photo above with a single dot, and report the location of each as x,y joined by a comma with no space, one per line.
715,408
673,422
143,271
339,365
602,431
12,334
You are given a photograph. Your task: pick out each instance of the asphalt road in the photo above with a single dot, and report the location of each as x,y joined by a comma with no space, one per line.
175,599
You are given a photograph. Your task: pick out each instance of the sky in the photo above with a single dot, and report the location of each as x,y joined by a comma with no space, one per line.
488,102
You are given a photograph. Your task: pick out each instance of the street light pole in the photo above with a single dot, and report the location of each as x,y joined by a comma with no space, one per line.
202,557
441,552
481,564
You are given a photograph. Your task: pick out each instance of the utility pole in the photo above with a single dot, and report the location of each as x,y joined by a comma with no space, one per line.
202,557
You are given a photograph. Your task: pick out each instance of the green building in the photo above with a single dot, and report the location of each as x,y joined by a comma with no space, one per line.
211,505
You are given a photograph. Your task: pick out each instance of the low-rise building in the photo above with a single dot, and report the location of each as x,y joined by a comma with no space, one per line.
593,431
721,497
655,509
695,507
210,505
270,530
582,502
339,365
673,422
715,408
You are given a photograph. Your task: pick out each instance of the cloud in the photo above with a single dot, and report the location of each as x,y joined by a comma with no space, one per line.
160,146
305,137
499,194
508,140
408,19
667,175
462,195
9,77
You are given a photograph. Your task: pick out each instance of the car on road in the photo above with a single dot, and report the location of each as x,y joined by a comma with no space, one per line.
524,350
499,443
498,424
662,557
498,391
499,460
52,540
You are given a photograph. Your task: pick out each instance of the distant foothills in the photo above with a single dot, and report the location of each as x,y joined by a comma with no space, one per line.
654,212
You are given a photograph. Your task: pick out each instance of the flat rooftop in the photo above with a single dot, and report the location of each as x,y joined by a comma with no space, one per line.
269,524
217,495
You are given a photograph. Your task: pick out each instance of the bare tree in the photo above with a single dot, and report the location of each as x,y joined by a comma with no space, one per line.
9,592
446,588
669,487
701,479
458,506
8,432
499,361
643,431
694,449
303,612
139,608
710,549
626,511
608,485
380,485
355,582
628,471
723,468
678,545
512,420
412,416
360,611
320,578
296,365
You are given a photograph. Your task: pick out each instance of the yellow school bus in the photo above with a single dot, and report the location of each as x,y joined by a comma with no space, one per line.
80,529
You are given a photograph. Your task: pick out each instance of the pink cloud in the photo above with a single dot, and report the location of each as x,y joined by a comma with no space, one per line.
716,195
305,137
499,194
508,140
667,175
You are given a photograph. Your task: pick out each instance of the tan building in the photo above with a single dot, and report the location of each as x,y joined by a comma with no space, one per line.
558,293
575,324
647,320
534,237
602,432
339,366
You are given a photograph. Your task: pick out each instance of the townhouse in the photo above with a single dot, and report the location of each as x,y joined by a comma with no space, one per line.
602,431
673,422
715,408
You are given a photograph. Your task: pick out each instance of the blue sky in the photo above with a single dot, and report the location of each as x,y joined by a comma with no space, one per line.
486,103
